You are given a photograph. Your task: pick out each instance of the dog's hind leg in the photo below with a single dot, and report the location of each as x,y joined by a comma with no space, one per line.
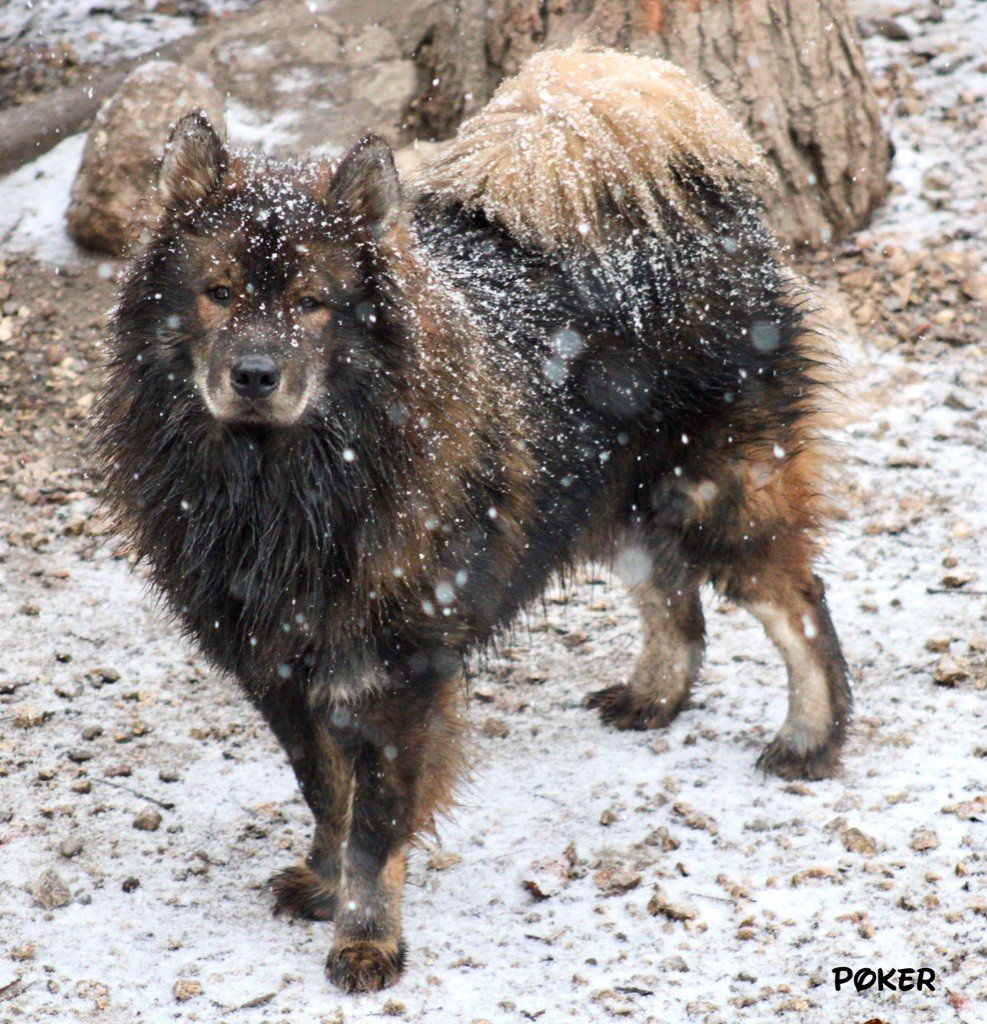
661,681
324,775
789,601
406,746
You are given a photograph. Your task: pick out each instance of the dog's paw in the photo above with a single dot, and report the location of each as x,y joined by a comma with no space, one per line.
778,758
365,966
620,707
300,892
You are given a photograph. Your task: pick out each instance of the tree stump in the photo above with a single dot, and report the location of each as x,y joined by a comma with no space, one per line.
791,70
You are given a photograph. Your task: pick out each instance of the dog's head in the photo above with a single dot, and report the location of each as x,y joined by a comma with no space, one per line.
260,286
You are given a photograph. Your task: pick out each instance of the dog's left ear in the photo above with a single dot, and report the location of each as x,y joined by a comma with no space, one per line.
366,185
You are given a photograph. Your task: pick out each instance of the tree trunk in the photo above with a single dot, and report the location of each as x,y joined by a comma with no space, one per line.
791,70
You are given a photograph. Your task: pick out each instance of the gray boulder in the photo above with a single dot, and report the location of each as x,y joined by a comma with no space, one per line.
119,162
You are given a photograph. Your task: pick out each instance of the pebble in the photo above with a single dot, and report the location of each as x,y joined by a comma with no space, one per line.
186,988
924,839
660,904
891,30
495,728
51,891
949,671
70,847
859,842
78,755
612,881
673,963
149,820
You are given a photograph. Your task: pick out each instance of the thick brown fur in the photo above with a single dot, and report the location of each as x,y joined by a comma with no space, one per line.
354,436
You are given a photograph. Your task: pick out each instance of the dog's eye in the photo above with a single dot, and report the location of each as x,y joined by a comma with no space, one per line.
307,303
220,293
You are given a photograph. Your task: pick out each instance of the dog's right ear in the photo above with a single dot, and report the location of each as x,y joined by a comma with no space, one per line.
193,164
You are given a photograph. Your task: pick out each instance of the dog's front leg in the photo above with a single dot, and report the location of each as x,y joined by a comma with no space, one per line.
324,775
405,746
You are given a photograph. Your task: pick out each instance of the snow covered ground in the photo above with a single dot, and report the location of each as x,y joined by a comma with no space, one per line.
757,889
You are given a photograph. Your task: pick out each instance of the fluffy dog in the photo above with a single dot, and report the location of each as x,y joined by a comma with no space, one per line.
354,433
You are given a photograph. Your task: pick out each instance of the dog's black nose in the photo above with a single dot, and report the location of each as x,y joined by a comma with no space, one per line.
255,376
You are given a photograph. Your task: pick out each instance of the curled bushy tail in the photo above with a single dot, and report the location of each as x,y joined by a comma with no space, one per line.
581,140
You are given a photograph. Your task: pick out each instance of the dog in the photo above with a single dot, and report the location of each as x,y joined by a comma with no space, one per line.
354,429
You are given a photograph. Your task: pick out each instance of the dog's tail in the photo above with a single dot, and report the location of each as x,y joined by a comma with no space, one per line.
584,141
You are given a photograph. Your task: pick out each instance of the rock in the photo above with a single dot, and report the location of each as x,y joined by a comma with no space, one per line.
660,904
924,839
673,963
495,728
51,891
548,877
662,838
149,820
949,671
975,286
442,860
123,148
70,847
185,989
394,1008
891,30
307,76
859,842
612,881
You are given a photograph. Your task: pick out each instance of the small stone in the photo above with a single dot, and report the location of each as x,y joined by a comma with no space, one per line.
949,671
975,287
858,842
938,644
70,847
168,775
79,755
614,881
695,819
673,963
663,839
891,30
660,904
28,717
394,1008
51,891
54,354
442,860
495,728
130,884
149,820
924,839
955,579
186,988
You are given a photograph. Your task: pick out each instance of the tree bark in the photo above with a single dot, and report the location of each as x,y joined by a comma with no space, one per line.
791,70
